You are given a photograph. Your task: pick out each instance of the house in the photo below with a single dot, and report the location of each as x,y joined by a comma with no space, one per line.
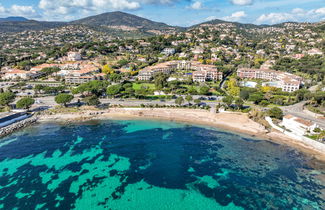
169,51
74,56
298,125
197,51
314,51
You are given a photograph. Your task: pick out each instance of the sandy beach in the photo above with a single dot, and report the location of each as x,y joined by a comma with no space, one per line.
236,122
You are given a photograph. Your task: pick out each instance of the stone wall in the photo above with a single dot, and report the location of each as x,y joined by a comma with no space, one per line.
18,125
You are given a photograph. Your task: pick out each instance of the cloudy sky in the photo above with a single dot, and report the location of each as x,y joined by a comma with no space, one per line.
173,12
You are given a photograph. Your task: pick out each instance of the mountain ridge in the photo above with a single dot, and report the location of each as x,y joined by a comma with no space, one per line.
13,19
111,21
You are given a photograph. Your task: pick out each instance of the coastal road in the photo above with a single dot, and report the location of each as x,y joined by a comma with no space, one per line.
50,102
297,111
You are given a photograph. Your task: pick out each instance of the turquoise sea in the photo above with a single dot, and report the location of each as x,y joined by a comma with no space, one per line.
152,165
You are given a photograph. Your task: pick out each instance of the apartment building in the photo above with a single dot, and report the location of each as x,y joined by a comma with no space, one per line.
16,74
149,72
207,75
286,81
77,80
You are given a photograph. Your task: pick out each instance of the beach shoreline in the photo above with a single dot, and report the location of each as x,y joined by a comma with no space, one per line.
234,122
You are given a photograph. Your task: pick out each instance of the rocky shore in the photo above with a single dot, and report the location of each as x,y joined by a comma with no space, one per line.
16,126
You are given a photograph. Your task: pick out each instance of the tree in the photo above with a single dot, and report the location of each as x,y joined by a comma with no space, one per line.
115,77
264,103
107,69
91,100
94,87
228,100
275,112
160,81
204,90
114,90
245,92
256,98
25,103
63,98
233,88
239,103
6,98
197,101
189,98
179,100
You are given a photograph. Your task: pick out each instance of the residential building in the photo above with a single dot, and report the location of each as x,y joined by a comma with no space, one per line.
169,51
286,81
76,80
15,74
74,56
314,51
149,72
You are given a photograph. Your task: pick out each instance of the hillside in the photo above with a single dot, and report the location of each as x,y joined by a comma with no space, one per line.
126,22
113,22
31,25
13,19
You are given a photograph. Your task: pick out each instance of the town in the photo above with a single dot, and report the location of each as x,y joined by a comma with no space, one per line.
211,66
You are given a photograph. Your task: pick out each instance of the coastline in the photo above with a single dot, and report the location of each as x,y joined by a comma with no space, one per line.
235,122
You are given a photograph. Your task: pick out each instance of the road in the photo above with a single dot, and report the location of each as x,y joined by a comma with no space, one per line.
49,102
297,111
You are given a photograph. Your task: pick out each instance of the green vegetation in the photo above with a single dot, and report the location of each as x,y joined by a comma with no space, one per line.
6,98
63,99
25,103
275,112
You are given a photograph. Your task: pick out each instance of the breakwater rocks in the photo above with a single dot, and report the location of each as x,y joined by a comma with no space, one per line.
18,125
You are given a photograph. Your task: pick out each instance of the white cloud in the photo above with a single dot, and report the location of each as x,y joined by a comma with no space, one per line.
296,14
236,16
18,10
77,8
242,2
196,5
210,18
58,9
320,11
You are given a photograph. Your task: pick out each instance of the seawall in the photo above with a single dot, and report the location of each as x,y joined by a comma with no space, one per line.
17,125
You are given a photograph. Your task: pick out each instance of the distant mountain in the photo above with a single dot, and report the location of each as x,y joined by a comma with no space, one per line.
13,19
112,22
31,25
124,21
117,24
217,21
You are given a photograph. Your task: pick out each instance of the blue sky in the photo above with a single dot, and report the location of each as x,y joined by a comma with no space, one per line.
173,12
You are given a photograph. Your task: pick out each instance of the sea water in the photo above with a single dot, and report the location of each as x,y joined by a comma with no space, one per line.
152,165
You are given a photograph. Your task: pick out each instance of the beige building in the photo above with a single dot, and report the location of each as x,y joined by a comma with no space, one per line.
286,81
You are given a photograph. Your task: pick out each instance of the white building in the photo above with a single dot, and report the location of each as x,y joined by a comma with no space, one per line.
74,56
14,74
169,51
298,126
314,51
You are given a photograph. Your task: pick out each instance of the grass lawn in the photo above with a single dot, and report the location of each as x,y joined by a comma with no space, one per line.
137,86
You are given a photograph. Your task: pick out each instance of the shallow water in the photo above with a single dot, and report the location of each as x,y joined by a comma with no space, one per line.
152,165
